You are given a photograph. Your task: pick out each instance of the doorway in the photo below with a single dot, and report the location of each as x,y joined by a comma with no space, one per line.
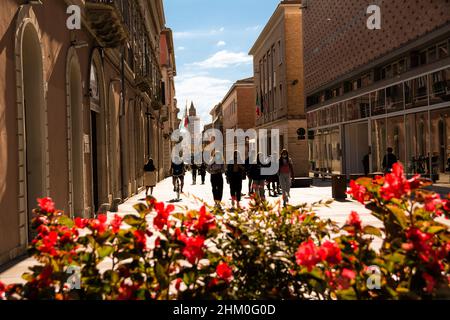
33,93
95,162
356,146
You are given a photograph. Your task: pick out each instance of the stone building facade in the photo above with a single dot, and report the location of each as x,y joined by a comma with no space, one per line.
279,81
239,111
368,90
81,110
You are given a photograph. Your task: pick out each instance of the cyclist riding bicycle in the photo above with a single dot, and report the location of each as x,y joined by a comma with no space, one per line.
178,171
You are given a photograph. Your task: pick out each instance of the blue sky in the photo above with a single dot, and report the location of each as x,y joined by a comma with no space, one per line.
212,40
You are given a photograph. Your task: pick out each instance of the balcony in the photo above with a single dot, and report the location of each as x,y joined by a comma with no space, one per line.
109,20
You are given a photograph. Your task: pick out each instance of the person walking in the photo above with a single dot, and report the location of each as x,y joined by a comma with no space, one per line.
248,168
217,168
389,160
194,169
259,181
149,176
286,175
202,172
235,174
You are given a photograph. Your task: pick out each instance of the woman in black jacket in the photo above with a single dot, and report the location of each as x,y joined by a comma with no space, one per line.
149,176
235,174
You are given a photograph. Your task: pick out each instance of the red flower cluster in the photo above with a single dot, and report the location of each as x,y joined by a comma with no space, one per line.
396,185
162,216
354,221
309,255
432,203
422,243
358,192
342,280
141,239
224,272
128,292
331,252
116,223
99,225
203,223
193,250
46,205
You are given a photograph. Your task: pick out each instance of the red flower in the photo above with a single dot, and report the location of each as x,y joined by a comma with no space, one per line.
81,223
116,223
354,245
178,284
204,223
432,202
163,214
193,250
128,292
48,243
420,240
99,224
395,184
355,221
2,290
46,205
224,272
349,274
446,205
331,252
308,255
358,192
141,239
430,282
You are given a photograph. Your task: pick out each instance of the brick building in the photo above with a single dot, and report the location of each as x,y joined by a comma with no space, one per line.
368,90
278,72
81,110
239,107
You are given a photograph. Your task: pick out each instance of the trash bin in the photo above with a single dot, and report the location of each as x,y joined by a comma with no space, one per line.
339,186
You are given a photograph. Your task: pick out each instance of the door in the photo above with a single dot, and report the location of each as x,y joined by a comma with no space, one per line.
356,146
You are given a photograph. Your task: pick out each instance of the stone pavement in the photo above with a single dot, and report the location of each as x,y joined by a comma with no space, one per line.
193,194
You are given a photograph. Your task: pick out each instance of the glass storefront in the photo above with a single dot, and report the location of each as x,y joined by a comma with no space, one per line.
420,139
325,151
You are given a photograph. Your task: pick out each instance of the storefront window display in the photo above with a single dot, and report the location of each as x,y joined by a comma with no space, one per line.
417,143
440,145
440,86
378,144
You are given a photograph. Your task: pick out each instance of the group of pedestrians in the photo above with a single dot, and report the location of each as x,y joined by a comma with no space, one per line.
255,171
235,173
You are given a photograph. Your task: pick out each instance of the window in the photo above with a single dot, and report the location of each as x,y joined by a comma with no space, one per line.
442,50
280,53
423,57
440,86
394,98
377,100
416,92
432,54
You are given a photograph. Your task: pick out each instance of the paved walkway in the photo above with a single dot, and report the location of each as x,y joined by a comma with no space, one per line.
195,194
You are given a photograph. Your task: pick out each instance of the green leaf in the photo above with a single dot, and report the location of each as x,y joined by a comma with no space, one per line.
436,229
399,215
161,275
141,208
66,221
372,231
348,294
104,251
132,220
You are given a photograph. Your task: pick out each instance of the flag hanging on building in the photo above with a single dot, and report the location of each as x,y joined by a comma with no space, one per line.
258,105
262,103
186,121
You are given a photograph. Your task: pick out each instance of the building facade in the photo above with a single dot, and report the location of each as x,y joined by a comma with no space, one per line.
279,81
80,109
369,90
169,112
239,108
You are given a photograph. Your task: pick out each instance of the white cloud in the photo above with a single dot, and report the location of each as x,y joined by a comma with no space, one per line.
181,48
221,43
197,33
253,28
204,90
224,59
